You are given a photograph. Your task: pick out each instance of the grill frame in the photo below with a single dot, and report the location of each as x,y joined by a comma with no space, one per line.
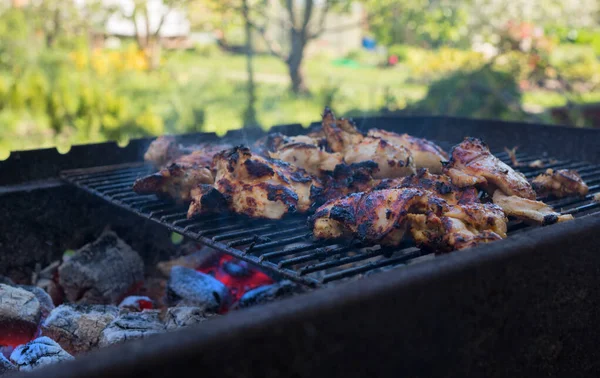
320,262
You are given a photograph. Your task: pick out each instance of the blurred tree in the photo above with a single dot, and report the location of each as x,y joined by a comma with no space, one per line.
418,22
147,34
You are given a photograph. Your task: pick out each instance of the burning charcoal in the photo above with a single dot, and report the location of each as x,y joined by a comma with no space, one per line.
236,268
5,365
137,303
37,353
20,313
132,325
268,293
196,289
45,301
101,272
77,328
178,317
192,261
155,288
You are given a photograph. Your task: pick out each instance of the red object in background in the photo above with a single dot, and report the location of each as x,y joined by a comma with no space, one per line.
393,60
237,275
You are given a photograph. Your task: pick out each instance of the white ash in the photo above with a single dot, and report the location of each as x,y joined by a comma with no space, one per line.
77,328
132,325
46,303
101,272
268,293
37,353
5,365
20,311
179,317
196,289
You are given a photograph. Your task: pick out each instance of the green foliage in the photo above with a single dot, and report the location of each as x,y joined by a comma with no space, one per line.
401,51
428,65
483,93
418,22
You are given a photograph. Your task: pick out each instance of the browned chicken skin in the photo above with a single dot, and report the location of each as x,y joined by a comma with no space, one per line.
384,216
343,137
440,184
426,154
165,150
177,179
472,164
560,183
256,186
302,151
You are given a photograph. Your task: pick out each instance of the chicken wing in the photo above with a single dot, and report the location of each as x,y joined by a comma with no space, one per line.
343,137
560,183
256,186
426,154
472,164
530,211
302,151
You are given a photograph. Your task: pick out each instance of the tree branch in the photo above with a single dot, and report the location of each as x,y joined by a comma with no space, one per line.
273,47
338,29
321,22
290,9
308,10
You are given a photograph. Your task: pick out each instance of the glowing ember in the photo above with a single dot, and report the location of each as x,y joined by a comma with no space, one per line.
237,275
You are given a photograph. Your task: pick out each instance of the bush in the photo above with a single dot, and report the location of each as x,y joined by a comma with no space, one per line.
428,65
483,93
401,51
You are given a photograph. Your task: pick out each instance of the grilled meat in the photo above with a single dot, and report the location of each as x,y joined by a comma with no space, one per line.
439,184
560,183
426,154
256,186
447,233
345,179
596,197
343,137
302,151
384,216
177,179
374,217
165,150
472,164
530,211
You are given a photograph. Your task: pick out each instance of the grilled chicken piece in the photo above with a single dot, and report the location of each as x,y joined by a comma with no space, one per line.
560,183
343,137
472,164
384,216
446,233
426,154
439,184
377,217
256,186
165,150
177,179
596,197
528,210
162,150
345,179
302,151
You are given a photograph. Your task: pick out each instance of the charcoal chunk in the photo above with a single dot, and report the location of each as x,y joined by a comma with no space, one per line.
46,303
268,293
137,303
132,325
179,317
196,289
101,272
5,365
192,261
20,313
37,353
77,328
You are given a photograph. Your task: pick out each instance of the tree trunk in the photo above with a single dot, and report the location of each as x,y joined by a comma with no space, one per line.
250,112
294,63
153,52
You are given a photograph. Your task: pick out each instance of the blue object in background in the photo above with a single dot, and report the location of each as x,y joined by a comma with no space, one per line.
369,43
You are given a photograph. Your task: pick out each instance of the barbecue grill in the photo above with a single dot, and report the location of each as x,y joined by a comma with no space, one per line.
524,305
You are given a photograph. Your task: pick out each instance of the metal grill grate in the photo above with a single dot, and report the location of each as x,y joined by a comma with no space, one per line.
285,247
